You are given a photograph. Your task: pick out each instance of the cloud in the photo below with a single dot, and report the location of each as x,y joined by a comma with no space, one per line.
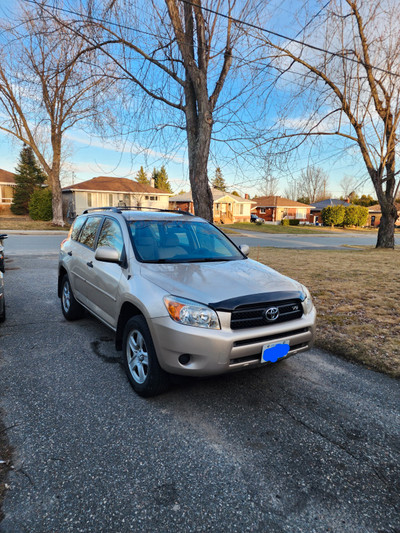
125,148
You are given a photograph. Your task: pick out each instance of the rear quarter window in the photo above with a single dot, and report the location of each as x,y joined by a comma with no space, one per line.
76,228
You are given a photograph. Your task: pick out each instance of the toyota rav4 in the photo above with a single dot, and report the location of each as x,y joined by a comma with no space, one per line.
180,296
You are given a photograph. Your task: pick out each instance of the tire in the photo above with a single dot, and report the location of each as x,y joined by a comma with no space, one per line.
140,359
71,309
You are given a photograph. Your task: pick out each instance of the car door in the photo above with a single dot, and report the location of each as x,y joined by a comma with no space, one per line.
82,257
106,277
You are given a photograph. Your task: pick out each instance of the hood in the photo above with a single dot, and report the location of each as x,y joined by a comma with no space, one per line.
217,282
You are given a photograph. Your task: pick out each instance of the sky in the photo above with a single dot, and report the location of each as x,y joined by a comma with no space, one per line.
90,156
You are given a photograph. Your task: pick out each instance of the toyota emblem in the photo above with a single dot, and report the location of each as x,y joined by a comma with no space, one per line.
271,314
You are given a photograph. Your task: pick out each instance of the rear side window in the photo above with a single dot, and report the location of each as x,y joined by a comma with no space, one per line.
88,234
111,235
76,228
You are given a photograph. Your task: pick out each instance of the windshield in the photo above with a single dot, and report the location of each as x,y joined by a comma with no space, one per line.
175,241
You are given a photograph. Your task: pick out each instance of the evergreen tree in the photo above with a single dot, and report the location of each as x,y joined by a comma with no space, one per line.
218,182
161,179
141,177
28,177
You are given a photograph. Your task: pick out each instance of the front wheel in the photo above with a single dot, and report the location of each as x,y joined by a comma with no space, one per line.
140,359
72,310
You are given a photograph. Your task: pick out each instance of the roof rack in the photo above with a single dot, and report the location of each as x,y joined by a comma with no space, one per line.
136,208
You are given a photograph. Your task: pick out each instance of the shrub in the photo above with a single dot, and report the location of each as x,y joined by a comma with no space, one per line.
40,205
294,222
355,215
285,222
333,215
362,216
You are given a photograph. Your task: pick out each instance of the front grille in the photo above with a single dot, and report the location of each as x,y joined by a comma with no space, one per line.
253,316
270,338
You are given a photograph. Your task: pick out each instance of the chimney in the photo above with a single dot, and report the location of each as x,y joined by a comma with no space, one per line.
246,197
152,182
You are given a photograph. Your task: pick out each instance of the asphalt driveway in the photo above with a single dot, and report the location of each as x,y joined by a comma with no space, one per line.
308,445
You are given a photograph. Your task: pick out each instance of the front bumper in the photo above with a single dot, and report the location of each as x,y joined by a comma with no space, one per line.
225,350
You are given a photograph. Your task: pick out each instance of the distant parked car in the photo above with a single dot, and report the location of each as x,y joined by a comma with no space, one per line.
2,237
2,300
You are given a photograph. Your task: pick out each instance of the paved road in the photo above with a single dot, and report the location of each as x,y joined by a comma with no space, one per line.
305,241
309,445
49,244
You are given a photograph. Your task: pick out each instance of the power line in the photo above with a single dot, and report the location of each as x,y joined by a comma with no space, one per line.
265,30
235,20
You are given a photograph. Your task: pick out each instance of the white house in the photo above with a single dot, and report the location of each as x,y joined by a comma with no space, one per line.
7,186
105,191
227,208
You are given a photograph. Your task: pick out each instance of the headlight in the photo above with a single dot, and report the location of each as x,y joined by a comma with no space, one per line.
307,300
191,313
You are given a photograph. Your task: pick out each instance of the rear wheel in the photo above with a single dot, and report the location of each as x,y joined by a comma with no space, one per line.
140,359
71,309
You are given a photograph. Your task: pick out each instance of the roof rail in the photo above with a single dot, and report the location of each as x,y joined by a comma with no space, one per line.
136,208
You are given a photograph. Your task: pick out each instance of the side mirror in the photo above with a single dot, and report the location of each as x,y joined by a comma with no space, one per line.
107,254
244,249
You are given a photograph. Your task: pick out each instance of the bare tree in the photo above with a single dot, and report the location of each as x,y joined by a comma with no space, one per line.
174,59
354,79
313,184
348,185
292,189
45,89
270,186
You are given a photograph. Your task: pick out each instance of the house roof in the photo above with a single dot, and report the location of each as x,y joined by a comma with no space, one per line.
109,184
6,177
328,203
216,194
377,208
277,201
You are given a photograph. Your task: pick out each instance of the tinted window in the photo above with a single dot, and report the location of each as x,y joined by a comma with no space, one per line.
76,228
89,230
111,235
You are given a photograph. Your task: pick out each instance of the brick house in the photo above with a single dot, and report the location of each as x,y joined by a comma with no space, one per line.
105,191
375,214
274,208
227,208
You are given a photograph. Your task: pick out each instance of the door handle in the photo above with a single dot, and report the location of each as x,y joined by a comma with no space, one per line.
90,264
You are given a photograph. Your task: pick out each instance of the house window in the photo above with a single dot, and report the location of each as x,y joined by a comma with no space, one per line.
126,199
110,200
146,197
300,213
241,209
154,198
89,199
262,209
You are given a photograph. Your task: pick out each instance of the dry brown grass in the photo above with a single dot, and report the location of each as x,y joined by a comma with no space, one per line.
356,293
23,222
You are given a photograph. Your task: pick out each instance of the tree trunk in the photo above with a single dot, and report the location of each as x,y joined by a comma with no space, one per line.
386,225
199,146
58,219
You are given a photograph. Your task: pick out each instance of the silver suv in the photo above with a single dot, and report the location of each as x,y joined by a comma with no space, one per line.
181,297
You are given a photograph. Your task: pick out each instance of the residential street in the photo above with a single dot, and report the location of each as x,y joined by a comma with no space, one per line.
308,445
